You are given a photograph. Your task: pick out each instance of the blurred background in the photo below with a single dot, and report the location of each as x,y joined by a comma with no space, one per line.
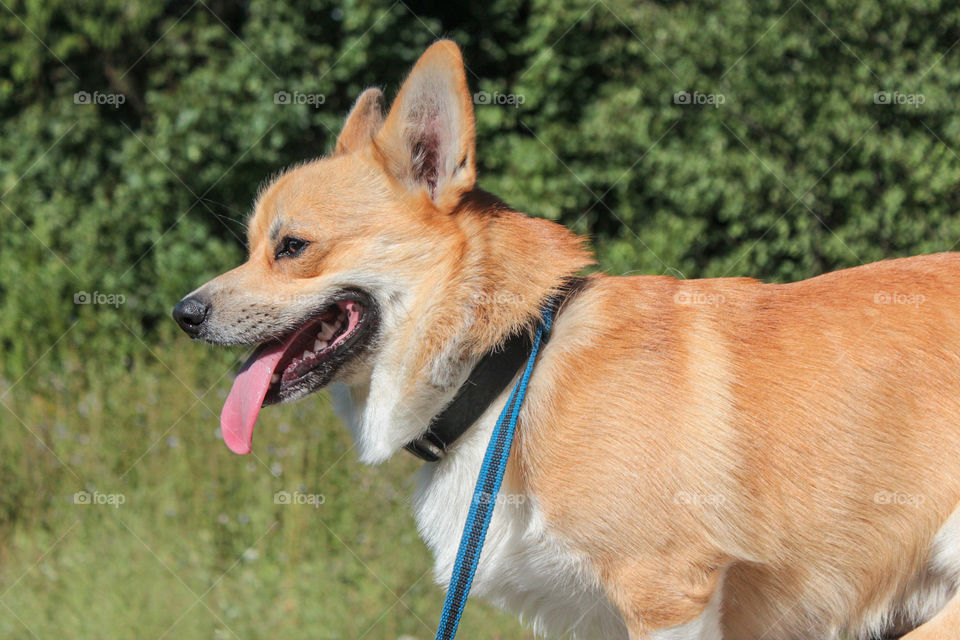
762,139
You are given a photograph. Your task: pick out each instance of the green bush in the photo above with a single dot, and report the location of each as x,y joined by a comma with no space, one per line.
788,167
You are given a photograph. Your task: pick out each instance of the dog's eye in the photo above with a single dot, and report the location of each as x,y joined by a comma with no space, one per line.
290,247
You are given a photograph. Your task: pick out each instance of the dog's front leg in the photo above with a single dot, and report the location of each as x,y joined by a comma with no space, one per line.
706,626
686,607
943,626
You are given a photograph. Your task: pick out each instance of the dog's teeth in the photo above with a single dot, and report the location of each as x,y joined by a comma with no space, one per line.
319,345
275,378
326,331
307,354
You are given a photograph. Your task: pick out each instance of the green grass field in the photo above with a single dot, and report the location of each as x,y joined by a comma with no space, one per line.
183,539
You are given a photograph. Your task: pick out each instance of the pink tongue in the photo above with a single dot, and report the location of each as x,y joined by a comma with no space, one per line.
242,407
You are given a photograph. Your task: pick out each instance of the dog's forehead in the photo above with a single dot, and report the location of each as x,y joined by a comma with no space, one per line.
329,188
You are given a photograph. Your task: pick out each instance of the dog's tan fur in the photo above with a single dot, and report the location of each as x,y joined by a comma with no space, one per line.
682,436
753,433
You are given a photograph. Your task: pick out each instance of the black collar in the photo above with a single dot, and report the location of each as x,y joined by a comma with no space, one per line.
487,381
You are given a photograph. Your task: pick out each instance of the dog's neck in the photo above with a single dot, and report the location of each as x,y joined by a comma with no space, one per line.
497,269
515,264
486,382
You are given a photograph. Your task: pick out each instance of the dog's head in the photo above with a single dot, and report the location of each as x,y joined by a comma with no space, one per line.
359,262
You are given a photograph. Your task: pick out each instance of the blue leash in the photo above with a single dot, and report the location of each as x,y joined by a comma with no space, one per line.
485,493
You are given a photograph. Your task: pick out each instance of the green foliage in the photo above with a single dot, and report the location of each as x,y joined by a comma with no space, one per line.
797,171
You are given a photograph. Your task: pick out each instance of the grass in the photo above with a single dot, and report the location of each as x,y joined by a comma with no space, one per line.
199,548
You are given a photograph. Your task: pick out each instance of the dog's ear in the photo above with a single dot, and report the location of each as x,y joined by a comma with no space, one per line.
428,138
363,122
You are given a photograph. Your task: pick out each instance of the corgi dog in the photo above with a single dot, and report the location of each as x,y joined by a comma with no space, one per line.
696,459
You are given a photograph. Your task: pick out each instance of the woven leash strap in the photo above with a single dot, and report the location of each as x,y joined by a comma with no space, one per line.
485,493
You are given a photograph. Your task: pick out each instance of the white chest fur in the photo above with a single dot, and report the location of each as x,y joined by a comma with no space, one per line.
522,569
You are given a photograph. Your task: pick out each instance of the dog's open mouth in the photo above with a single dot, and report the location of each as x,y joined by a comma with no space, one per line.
303,361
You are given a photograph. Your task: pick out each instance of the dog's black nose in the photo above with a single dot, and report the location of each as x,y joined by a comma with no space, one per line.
190,314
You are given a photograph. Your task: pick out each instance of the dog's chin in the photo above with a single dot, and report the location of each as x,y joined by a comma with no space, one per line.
325,347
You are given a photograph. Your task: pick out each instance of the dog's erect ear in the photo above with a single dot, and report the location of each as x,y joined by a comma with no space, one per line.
363,122
428,138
